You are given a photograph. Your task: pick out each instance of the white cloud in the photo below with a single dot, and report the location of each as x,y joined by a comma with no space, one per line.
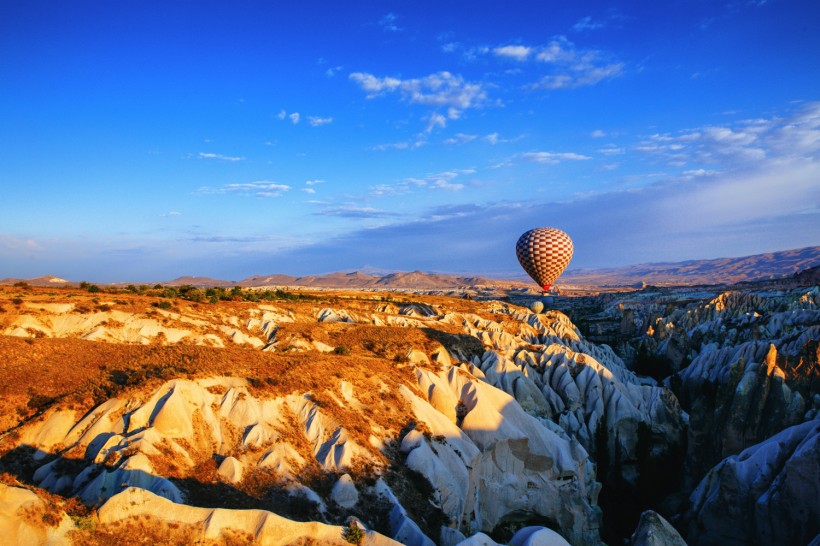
294,118
445,180
435,120
744,212
261,188
282,114
438,90
611,149
388,23
309,190
742,143
587,23
171,214
699,172
316,121
313,182
515,52
553,158
355,211
597,133
579,75
408,145
570,67
460,138
333,70
203,155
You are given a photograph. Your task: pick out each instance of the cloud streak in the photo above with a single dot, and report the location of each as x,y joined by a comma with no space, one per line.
204,155
262,188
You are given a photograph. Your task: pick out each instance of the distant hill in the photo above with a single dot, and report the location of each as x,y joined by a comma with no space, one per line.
45,280
772,265
800,265
401,280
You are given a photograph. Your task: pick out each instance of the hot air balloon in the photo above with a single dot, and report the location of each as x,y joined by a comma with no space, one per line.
544,253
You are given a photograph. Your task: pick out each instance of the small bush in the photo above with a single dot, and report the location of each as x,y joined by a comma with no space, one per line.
341,350
17,301
353,533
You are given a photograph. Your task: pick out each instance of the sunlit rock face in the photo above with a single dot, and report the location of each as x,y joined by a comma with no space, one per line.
559,377
765,495
498,461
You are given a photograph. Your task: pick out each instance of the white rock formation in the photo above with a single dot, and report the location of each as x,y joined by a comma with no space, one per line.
502,461
187,422
768,494
22,521
266,528
344,492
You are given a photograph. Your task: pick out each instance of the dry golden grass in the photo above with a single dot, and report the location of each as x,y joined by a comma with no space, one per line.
40,373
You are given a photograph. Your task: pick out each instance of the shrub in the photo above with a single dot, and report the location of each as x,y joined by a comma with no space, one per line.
353,533
341,350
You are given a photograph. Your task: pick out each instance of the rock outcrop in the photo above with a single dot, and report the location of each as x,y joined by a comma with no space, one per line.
25,519
765,495
654,530
261,527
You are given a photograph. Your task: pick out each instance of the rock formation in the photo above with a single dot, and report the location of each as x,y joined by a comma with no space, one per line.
765,495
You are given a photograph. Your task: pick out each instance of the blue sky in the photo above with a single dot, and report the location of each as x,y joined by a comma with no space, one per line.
142,141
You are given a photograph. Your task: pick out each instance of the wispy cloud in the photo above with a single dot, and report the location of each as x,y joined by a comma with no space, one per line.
316,121
742,143
205,155
171,214
10,242
440,91
355,211
294,117
514,52
460,138
703,216
492,138
262,188
553,158
611,149
388,23
445,180
568,66
587,23
333,70
581,74
407,145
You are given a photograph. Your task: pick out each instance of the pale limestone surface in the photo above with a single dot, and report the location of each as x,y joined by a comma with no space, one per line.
17,530
267,528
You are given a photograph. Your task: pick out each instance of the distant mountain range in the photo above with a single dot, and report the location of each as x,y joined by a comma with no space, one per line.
801,263
772,265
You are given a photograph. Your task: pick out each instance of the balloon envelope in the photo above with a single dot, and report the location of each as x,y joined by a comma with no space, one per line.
536,307
544,253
